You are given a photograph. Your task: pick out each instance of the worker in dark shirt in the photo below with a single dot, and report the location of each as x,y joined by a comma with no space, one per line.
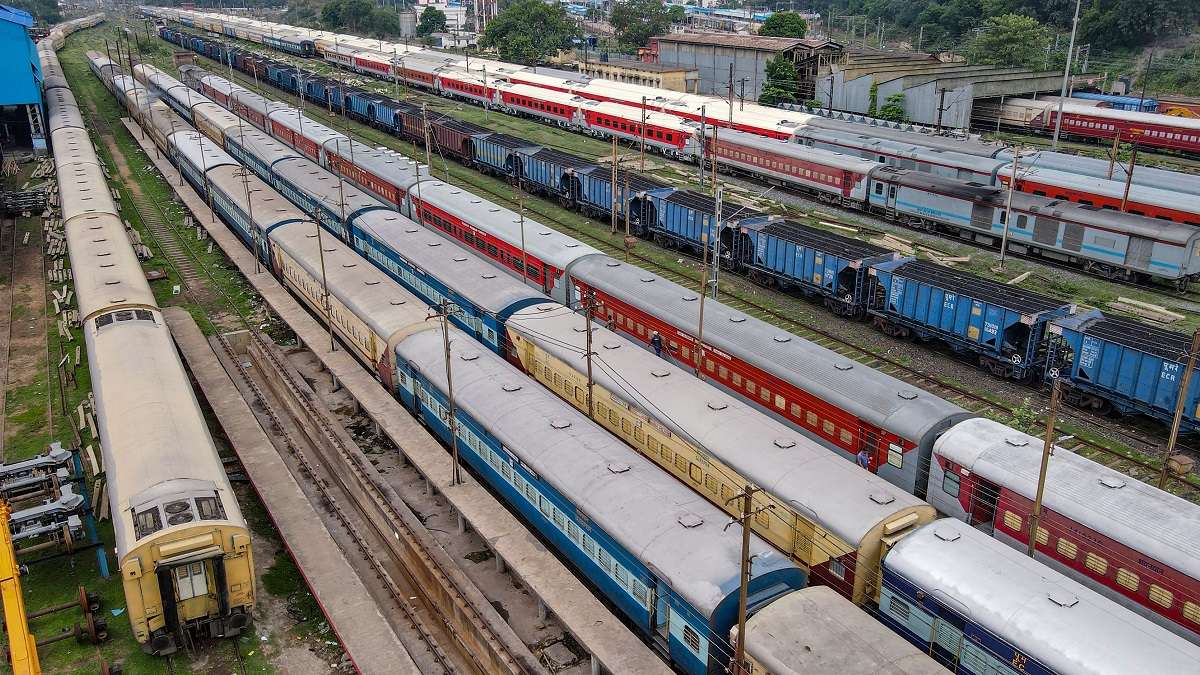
864,459
656,343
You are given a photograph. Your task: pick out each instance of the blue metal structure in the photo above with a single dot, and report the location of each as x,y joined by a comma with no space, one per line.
1132,366
1134,103
497,154
1004,326
817,262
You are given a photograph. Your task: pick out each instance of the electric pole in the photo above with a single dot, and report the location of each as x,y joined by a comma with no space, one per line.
1180,406
444,315
1035,517
1066,77
613,206
589,309
748,512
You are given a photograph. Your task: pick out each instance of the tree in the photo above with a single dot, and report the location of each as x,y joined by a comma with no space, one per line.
433,20
636,21
780,85
677,14
784,24
529,31
893,108
1009,40
384,22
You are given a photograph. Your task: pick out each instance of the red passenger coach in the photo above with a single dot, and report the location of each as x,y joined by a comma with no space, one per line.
793,164
1146,129
373,64
865,415
1132,542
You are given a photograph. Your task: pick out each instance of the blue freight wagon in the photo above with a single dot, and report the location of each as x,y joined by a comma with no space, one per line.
496,154
591,191
547,172
1003,326
686,219
787,254
1123,364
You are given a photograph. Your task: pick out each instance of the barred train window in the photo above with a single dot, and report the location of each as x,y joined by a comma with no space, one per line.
210,508
147,522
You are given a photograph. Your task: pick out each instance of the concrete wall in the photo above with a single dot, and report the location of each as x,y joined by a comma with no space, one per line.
712,63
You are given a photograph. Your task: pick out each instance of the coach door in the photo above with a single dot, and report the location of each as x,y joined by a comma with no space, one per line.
662,617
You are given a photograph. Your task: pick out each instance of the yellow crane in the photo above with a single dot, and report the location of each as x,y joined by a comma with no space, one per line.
21,644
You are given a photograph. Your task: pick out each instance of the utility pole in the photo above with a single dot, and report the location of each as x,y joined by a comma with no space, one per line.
729,101
444,314
748,512
703,141
1035,516
1180,406
428,144
1112,158
713,150
613,189
521,222
704,282
589,309
642,164
1129,175
1067,77
1012,187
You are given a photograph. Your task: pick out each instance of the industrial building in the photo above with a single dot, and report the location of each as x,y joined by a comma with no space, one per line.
936,92
21,96
675,78
712,55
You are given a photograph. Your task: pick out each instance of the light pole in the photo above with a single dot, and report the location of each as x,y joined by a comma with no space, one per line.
1066,77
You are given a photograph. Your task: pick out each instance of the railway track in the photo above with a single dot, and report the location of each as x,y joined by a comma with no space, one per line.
1073,421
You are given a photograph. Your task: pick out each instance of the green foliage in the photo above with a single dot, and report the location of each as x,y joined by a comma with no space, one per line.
433,20
873,105
529,31
1105,24
784,24
677,14
780,85
636,21
43,11
361,17
893,108
1010,40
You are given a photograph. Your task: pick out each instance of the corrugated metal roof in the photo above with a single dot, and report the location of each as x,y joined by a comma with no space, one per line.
758,42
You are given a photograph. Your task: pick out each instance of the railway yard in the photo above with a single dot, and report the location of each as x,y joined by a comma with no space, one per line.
333,355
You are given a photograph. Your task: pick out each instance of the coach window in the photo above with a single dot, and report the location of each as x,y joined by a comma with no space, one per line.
1067,549
951,483
1127,579
879,191
1161,596
1096,564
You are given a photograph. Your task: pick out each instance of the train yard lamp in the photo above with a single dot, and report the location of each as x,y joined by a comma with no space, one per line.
1066,77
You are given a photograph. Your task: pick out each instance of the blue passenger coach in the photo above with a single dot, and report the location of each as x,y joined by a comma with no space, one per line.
658,552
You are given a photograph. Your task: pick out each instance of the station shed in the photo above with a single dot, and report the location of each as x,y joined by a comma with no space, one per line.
21,114
712,55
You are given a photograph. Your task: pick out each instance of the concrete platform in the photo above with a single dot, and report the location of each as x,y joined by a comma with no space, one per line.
612,645
353,614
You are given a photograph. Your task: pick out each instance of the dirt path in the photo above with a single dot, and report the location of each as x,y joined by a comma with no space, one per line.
8,233
26,334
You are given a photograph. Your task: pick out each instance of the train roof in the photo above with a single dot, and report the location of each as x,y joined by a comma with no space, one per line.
262,145
305,126
64,112
670,528
156,445
928,182
103,265
809,632
926,139
843,498
1053,619
789,148
1183,124
340,196
541,242
868,394
557,157
386,163
539,93
456,266
634,113
961,283
1155,523
257,102
1180,234
217,116
267,206
201,151
702,203
1091,166
381,303
1147,194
